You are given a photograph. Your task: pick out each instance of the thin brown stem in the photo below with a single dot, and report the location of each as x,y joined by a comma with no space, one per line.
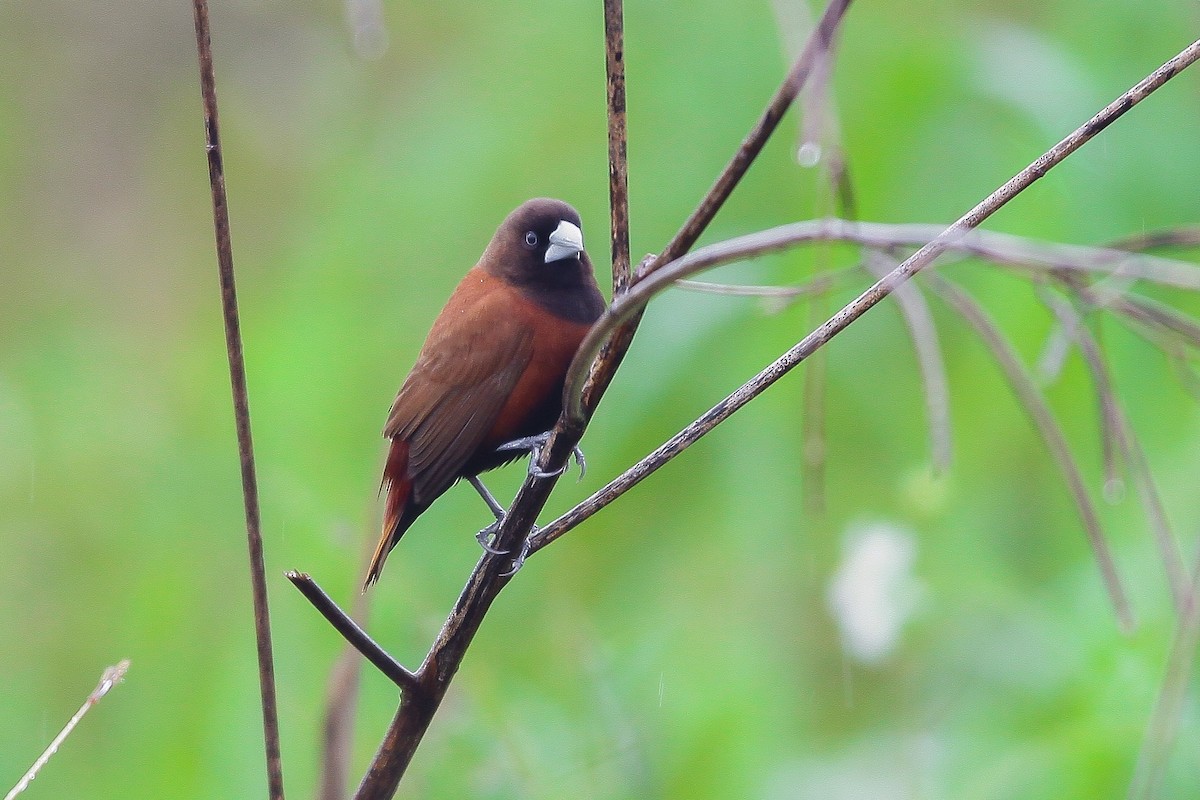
817,284
996,247
351,632
1172,697
618,166
930,364
337,727
1173,237
108,679
241,402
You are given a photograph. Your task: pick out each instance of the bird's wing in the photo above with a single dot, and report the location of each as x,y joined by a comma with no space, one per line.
467,369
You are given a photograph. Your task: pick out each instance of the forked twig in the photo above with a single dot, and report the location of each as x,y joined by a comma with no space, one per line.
110,678
241,402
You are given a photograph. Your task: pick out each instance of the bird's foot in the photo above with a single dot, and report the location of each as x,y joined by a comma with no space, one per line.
534,445
485,537
488,535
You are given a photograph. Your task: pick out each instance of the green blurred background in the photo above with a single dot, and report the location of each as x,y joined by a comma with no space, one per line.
681,644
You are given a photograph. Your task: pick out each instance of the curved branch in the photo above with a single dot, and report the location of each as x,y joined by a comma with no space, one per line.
1056,442
1001,248
957,235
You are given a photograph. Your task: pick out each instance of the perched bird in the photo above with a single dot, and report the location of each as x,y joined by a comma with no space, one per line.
492,368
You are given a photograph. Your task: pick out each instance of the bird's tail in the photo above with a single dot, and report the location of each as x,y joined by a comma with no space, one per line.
398,487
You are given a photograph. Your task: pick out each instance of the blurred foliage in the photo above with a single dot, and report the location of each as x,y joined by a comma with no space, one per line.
680,644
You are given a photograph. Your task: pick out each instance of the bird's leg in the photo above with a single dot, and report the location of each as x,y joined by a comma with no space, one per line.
534,445
484,536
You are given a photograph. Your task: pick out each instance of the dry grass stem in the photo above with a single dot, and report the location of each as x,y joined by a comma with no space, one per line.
110,678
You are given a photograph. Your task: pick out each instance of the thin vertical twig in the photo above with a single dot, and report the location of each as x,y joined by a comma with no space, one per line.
108,679
241,402
618,165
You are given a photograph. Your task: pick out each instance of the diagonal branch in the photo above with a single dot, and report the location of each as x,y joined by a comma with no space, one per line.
956,236
352,632
241,402
108,679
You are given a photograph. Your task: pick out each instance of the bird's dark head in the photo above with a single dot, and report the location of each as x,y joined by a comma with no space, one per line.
540,242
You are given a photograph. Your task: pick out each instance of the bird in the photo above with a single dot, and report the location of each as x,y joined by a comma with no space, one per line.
488,381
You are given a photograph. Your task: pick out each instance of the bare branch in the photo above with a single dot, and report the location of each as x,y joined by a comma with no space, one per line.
818,284
241,402
1035,405
814,451
110,678
1173,237
999,248
351,632
337,729
1072,328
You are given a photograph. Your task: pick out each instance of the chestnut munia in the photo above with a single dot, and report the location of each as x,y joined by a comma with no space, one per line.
492,367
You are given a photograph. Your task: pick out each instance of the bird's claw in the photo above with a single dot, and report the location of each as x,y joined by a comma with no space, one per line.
519,561
534,445
485,536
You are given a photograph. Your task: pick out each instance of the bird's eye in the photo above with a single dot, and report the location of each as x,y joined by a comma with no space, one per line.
531,239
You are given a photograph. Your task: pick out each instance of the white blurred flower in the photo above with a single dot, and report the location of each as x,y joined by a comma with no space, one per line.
873,593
